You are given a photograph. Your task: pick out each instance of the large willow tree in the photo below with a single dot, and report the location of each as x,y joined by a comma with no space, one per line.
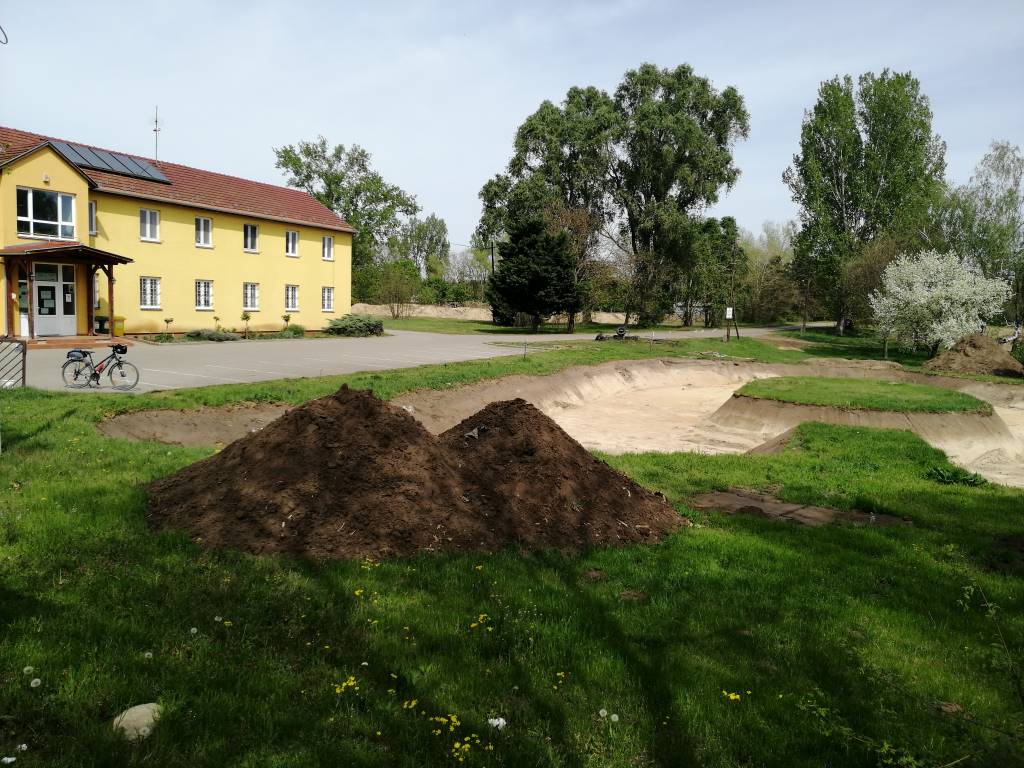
639,166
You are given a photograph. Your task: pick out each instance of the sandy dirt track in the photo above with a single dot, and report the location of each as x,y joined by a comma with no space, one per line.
663,406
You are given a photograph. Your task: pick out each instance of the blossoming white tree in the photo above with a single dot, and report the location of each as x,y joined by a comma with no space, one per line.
934,299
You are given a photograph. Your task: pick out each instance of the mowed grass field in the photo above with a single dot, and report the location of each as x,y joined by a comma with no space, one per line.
450,325
865,394
736,642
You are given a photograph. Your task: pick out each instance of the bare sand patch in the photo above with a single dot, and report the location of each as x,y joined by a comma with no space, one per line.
203,426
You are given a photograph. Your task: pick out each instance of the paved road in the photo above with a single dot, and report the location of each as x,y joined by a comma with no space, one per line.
176,366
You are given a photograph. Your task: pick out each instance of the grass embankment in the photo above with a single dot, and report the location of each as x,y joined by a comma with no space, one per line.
450,325
753,642
864,394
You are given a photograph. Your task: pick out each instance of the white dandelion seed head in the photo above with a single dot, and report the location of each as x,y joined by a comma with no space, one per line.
365,664
36,682
497,722
7,760
21,748
614,718
194,631
28,670
603,712
218,618
147,655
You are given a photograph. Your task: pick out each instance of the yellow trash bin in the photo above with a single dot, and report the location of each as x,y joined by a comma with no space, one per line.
118,325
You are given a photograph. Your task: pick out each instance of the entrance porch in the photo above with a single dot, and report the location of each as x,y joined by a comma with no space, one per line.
43,288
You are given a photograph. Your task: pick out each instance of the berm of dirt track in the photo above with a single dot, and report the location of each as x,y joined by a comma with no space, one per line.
349,475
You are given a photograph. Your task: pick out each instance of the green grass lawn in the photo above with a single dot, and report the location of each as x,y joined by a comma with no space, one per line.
864,394
448,325
754,643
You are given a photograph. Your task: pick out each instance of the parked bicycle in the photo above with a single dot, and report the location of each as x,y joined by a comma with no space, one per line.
79,371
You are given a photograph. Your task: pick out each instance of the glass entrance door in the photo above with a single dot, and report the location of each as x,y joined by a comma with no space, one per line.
55,303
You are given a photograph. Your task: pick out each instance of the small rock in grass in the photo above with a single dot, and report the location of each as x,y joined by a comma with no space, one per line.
593,574
632,596
948,707
138,722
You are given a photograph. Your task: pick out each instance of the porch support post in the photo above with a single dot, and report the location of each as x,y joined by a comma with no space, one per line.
108,270
90,298
30,273
12,290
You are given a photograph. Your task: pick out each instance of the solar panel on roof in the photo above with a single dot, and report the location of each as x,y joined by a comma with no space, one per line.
114,162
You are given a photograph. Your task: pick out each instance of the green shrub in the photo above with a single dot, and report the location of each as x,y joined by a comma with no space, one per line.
293,331
1018,352
208,334
355,325
954,476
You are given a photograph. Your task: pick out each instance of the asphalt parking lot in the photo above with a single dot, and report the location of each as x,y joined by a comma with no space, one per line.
199,364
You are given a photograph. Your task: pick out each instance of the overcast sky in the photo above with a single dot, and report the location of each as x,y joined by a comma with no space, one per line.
435,90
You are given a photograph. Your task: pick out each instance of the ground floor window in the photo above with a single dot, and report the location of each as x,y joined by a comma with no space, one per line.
149,292
204,294
327,299
250,296
291,298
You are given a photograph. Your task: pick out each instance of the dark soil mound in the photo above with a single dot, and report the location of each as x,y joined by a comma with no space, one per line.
543,489
349,475
976,354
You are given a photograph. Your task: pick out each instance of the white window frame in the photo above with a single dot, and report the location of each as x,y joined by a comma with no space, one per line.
149,223
32,221
254,305
256,238
144,293
92,218
289,289
204,295
327,298
96,290
327,248
201,241
291,243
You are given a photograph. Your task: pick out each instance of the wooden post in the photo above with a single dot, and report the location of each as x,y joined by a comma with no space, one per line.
90,299
30,272
109,270
12,287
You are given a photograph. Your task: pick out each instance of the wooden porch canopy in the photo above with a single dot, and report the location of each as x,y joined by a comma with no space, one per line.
25,255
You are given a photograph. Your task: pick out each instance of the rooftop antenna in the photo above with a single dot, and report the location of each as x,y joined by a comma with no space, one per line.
156,133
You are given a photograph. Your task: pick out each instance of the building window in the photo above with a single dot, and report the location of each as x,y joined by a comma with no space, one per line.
250,296
250,237
327,299
204,294
96,290
149,225
149,293
328,249
204,232
92,217
291,243
42,213
291,298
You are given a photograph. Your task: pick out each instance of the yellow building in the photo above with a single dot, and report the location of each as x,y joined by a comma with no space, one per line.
84,231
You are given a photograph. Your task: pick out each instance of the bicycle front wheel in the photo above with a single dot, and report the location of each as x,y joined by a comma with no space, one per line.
123,375
76,373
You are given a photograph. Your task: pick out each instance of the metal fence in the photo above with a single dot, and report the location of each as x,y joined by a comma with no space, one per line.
12,363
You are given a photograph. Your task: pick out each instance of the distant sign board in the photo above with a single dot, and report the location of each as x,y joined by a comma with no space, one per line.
728,313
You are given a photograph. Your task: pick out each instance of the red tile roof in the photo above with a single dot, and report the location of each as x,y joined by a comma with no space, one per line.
196,188
66,247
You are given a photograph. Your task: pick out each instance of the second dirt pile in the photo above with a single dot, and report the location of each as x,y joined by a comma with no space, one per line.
349,475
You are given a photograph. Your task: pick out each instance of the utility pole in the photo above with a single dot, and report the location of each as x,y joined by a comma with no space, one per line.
156,133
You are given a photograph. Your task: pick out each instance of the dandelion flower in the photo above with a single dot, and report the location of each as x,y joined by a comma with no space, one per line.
36,682
497,722
614,718
603,712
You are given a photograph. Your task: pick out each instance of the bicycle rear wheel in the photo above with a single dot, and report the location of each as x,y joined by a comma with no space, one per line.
76,373
123,375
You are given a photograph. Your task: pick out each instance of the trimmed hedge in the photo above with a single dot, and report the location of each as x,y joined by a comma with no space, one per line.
355,325
208,334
